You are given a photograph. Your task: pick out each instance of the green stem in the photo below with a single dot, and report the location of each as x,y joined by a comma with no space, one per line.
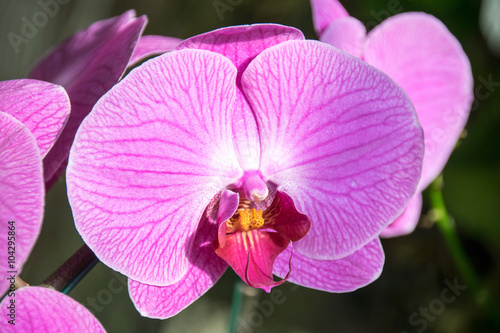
244,298
72,271
447,226
235,307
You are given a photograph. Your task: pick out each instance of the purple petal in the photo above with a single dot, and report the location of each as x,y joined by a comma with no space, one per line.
347,34
152,45
339,137
87,65
418,52
22,194
326,12
43,310
241,44
205,269
155,150
41,106
406,222
342,275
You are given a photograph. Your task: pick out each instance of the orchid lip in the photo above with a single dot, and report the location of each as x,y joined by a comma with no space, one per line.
252,238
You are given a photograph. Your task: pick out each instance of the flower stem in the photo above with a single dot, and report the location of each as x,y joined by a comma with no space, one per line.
243,294
447,227
72,271
235,307
19,283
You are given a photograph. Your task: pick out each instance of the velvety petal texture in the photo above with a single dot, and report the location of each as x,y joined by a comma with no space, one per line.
205,268
152,45
153,153
42,310
41,106
325,12
340,137
21,195
254,141
241,44
418,52
342,275
87,65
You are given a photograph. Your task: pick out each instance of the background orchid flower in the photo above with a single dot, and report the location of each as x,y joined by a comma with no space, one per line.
238,143
43,310
421,55
32,114
87,65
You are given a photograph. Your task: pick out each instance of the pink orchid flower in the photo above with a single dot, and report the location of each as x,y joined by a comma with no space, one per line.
32,114
228,150
419,53
87,65
43,310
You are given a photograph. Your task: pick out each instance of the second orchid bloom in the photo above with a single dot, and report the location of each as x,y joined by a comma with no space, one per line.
422,56
250,147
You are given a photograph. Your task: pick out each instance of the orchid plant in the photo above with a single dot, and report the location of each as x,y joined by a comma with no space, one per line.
246,147
250,147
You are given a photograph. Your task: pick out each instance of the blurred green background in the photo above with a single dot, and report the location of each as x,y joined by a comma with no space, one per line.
417,265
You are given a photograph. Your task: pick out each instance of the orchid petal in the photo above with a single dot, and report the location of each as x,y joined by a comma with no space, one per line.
41,106
87,65
22,194
347,34
228,204
343,141
43,310
326,12
406,222
149,158
241,44
342,275
251,254
152,45
289,223
418,52
205,269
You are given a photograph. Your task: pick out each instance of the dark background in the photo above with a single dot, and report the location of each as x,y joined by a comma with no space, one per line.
417,265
